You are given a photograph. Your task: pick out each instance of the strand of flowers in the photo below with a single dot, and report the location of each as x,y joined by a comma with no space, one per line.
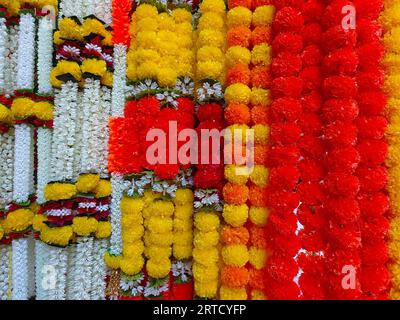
376,104
70,8
373,148
10,71
208,178
6,168
309,214
342,209
235,253
283,160
4,270
3,51
99,270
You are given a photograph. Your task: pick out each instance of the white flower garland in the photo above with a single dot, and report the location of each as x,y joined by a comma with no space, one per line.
64,132
99,270
40,259
22,266
119,84
81,275
90,153
44,136
4,271
102,10
23,163
3,52
78,137
45,55
69,8
11,67
6,167
117,187
54,273
104,131
26,52
88,7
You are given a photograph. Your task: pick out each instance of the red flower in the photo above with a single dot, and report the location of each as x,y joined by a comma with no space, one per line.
368,31
312,102
284,224
311,287
211,111
282,268
375,279
341,87
311,147
312,78
371,127
286,64
340,134
311,193
375,229
371,54
279,4
374,205
284,133
372,103
371,80
285,109
313,10
337,37
340,109
312,34
279,155
373,179
283,200
373,152
311,170
284,178
312,56
342,184
342,211
288,19
372,11
341,61
287,42
185,105
376,253
289,87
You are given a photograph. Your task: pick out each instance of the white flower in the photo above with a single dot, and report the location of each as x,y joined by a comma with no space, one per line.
165,188
6,168
119,84
45,55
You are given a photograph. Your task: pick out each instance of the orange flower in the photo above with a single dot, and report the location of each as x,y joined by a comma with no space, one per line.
230,235
260,154
237,113
239,36
256,279
259,115
230,153
234,277
260,35
239,3
261,77
257,196
235,193
240,73
257,237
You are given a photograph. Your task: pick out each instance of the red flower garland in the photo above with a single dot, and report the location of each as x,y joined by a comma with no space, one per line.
121,19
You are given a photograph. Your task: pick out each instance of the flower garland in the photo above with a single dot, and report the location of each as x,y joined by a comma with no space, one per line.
283,160
4,271
376,103
310,259
208,178
3,51
342,209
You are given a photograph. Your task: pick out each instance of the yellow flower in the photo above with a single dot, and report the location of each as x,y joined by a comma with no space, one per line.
103,189
131,266
146,10
157,253
206,257
261,134
206,221
259,216
261,54
166,22
133,234
113,262
206,289
19,220
390,40
217,6
238,54
131,206
211,38
84,226
181,225
131,220
103,230
5,114
147,70
145,55
158,269
57,38
94,66
87,183
132,250
43,110
57,236
38,222
260,97
182,252
148,23
181,15
235,255
257,257
203,273
184,28
226,293
107,79
183,238
263,15
184,212
59,191
234,215
257,295
70,29
206,240
93,26
208,53
162,208
131,72
211,20
209,70
167,77
233,175
392,85
22,108
239,16
183,197
1,232
70,68
392,62
186,56
259,176
159,239
147,39
158,224
238,93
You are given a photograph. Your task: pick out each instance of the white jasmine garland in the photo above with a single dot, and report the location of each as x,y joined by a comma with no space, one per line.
64,132
44,137
88,7
117,186
40,259
26,52
23,163
45,55
78,137
90,151
21,270
104,131
4,271
6,167
54,273
69,8
82,269
102,10
11,66
119,83
3,52
99,270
